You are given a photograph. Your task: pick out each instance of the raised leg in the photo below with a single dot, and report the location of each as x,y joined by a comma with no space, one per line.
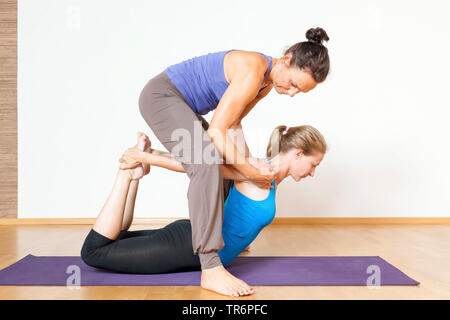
143,144
111,218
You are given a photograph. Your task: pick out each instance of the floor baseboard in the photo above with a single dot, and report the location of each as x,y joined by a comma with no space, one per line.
277,221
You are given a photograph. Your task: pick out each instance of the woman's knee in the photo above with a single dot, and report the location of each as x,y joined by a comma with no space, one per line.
145,99
93,242
142,102
87,254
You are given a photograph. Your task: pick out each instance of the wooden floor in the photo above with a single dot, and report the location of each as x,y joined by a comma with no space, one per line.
420,251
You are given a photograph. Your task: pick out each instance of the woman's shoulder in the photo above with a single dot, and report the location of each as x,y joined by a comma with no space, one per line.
244,61
245,58
250,189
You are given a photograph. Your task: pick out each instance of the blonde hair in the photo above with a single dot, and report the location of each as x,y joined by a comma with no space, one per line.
306,138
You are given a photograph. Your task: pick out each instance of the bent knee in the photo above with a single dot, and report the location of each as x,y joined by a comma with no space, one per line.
89,251
87,255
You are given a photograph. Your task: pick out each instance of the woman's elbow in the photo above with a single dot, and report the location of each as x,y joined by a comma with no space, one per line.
216,133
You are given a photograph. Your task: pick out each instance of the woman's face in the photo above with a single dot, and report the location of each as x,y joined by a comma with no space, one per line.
302,166
291,81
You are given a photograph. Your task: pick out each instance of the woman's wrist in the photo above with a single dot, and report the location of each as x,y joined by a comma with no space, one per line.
150,158
247,170
141,156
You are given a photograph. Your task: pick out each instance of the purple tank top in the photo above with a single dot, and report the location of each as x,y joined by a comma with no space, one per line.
201,80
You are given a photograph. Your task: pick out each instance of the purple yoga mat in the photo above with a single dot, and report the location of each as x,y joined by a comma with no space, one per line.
256,271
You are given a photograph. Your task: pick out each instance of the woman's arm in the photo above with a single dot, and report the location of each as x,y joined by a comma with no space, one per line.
165,160
250,106
236,129
237,134
241,92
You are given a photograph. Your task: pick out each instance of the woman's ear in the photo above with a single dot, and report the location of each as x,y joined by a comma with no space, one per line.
287,60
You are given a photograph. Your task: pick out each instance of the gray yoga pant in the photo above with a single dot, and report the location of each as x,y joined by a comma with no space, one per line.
164,109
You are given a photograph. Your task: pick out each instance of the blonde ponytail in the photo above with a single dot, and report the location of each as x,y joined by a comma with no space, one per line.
306,138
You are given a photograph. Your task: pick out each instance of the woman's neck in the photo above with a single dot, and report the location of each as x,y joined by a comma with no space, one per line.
269,78
280,167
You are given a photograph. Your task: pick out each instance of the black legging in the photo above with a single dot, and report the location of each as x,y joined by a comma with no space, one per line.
168,249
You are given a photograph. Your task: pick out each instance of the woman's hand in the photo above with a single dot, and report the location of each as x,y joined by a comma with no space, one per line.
259,164
263,174
130,158
262,180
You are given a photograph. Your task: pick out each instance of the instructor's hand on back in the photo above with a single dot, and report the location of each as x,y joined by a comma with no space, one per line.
260,173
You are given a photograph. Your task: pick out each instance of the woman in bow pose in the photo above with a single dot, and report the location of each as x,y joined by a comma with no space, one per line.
248,208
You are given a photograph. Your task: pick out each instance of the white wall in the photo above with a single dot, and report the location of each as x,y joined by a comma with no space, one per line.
383,108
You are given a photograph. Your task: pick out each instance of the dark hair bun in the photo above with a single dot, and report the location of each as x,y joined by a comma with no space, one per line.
316,35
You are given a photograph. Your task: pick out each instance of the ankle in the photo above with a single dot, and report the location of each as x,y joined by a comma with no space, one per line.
209,260
124,174
213,268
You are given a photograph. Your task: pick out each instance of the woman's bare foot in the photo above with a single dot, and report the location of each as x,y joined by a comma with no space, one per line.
143,144
142,137
219,280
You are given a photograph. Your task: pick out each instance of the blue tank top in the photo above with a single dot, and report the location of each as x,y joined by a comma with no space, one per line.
243,220
201,80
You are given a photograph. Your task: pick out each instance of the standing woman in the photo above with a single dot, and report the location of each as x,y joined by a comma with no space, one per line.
230,83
